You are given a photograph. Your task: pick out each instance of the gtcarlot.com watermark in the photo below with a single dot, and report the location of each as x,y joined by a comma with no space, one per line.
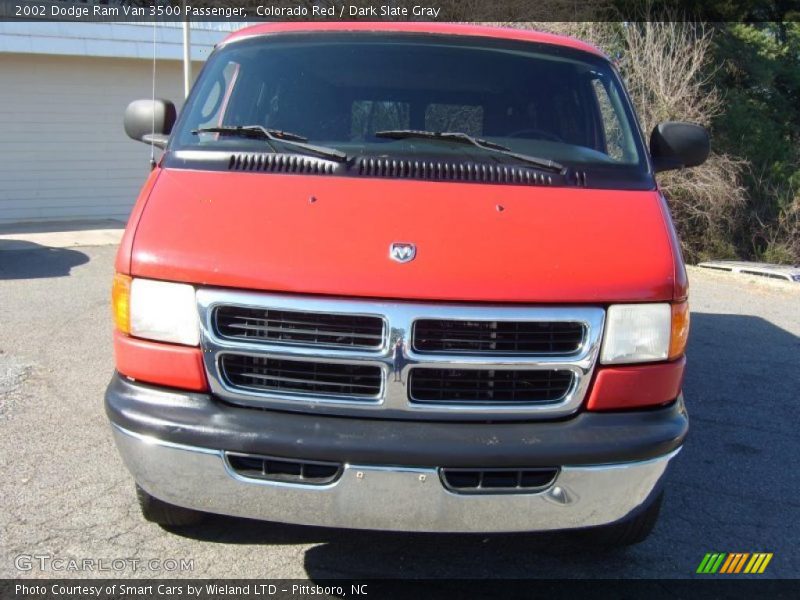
61,564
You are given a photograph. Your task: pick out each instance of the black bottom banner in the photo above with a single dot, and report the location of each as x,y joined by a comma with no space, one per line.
105,589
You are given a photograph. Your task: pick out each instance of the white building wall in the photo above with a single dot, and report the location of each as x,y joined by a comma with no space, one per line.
114,40
63,151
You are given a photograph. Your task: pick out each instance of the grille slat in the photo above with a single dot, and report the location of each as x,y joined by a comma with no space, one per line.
300,381
465,389
304,368
498,337
494,339
442,386
300,328
318,332
273,375
289,323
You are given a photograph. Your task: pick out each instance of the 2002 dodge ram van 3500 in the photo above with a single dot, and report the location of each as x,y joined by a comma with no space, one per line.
413,277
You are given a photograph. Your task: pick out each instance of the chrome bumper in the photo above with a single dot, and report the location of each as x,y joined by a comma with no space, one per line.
388,498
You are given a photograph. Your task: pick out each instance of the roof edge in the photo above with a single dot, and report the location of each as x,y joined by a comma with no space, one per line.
508,33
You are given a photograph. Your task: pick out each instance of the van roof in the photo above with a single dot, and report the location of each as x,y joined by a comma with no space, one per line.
416,27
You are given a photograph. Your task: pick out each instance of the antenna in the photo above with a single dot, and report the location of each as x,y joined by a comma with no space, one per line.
187,53
153,98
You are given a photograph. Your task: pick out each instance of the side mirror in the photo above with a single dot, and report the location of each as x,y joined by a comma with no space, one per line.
675,145
150,121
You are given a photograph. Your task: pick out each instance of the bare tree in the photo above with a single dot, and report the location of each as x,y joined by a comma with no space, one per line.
667,70
776,241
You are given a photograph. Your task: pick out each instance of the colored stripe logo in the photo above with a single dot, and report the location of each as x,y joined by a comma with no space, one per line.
730,563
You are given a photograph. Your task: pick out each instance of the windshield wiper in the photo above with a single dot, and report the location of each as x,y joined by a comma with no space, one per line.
465,138
292,140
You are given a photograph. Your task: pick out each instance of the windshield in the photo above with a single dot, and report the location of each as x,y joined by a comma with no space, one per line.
338,90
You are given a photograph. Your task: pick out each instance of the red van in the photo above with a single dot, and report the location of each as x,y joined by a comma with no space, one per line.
413,277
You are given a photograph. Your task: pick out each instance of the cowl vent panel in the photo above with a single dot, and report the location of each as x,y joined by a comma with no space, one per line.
394,168
449,171
281,163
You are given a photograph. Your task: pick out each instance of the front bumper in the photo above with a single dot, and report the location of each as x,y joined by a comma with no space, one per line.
174,444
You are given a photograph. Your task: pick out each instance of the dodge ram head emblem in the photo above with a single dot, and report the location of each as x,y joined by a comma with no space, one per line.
402,252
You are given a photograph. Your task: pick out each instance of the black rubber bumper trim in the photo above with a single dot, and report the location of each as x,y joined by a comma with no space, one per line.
199,420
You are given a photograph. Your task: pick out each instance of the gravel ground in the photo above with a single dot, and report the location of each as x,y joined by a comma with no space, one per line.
65,492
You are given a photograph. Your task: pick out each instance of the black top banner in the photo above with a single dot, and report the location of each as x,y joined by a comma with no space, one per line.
494,11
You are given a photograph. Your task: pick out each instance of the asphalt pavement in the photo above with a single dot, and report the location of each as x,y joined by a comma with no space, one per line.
66,494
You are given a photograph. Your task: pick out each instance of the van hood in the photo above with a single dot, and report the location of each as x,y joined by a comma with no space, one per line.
474,242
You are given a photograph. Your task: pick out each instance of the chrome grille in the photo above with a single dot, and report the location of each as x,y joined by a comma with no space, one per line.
498,337
493,371
481,386
296,327
277,375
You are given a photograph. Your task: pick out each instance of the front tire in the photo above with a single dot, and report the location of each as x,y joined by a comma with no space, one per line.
628,532
164,513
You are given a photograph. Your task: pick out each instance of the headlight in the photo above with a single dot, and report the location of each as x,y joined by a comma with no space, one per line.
156,310
637,333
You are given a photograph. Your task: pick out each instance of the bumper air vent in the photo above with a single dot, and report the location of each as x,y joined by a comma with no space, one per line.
492,386
496,481
273,375
304,472
298,328
498,337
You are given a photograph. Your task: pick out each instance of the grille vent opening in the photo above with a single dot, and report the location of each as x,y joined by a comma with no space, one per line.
498,337
487,387
298,328
263,374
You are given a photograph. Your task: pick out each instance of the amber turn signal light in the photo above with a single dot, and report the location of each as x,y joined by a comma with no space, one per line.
680,330
121,302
